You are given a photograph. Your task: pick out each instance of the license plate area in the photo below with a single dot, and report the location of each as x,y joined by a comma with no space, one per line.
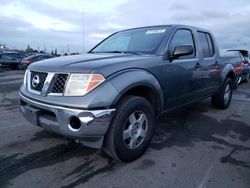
32,114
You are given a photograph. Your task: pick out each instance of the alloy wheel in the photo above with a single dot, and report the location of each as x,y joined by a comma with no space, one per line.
135,130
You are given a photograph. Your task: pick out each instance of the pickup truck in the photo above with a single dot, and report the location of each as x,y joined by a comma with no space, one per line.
111,97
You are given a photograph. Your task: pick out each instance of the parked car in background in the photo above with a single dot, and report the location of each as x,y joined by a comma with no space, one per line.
244,64
1,68
10,59
33,58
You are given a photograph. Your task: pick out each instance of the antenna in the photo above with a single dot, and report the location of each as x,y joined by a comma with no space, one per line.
82,31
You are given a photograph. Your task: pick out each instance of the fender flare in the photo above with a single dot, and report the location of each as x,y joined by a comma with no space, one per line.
226,70
126,80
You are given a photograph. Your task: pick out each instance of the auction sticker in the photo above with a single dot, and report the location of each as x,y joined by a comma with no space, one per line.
155,31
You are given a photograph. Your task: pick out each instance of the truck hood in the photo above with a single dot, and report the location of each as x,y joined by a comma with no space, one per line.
105,64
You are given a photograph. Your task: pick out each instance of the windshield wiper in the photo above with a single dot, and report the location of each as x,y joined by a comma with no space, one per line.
119,52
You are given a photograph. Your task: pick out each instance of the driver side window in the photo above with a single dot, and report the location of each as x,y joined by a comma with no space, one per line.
180,38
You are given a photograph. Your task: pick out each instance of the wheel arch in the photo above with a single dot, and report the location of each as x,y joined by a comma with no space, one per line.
229,72
139,83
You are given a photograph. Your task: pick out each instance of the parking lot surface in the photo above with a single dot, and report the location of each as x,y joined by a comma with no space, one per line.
198,146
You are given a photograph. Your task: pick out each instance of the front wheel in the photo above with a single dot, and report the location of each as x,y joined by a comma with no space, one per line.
131,130
222,98
22,66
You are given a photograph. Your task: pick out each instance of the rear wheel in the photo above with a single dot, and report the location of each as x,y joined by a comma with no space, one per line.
131,130
222,98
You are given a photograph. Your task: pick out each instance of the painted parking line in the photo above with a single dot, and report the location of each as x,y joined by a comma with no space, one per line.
204,182
16,125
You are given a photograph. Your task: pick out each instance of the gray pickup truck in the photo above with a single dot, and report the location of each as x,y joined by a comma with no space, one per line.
111,97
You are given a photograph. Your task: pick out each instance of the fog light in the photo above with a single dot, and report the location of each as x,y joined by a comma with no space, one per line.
74,124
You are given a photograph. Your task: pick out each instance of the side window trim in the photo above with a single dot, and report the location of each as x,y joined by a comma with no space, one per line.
208,38
210,44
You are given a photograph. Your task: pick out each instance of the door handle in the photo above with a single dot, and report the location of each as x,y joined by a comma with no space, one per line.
197,66
216,63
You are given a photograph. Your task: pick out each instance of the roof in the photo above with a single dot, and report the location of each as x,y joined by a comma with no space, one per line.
167,25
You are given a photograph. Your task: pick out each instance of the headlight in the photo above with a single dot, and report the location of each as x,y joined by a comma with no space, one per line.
81,84
25,78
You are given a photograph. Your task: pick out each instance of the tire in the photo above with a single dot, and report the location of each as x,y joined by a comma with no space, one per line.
15,67
235,85
120,142
22,67
222,98
247,78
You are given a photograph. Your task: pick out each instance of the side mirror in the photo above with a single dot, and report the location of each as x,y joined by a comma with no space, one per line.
181,51
246,61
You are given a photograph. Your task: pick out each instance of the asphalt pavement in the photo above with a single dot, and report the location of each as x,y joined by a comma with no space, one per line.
197,147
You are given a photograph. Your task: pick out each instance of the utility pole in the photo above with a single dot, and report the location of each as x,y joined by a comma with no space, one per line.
238,43
44,48
68,48
82,31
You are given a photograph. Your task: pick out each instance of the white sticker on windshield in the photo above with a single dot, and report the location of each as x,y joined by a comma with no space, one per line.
155,31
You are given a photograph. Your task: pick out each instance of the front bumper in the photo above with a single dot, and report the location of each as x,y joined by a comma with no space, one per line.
93,123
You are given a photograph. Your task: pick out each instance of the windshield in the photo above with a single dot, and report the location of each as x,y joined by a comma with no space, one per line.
143,40
11,56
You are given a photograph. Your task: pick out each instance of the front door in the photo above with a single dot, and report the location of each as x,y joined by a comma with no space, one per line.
179,73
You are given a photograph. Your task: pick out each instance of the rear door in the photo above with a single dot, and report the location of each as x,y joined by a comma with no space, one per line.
36,58
209,66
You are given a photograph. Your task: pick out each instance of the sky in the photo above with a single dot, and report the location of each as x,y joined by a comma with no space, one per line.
60,24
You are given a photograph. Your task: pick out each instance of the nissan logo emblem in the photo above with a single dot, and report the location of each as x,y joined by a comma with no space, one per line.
35,81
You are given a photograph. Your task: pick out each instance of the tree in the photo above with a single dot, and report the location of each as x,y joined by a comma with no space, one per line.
29,49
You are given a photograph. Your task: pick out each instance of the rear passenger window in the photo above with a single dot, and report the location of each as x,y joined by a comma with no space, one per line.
206,44
210,44
182,37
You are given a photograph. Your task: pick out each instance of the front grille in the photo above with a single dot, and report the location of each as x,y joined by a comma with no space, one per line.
42,77
60,83
55,83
